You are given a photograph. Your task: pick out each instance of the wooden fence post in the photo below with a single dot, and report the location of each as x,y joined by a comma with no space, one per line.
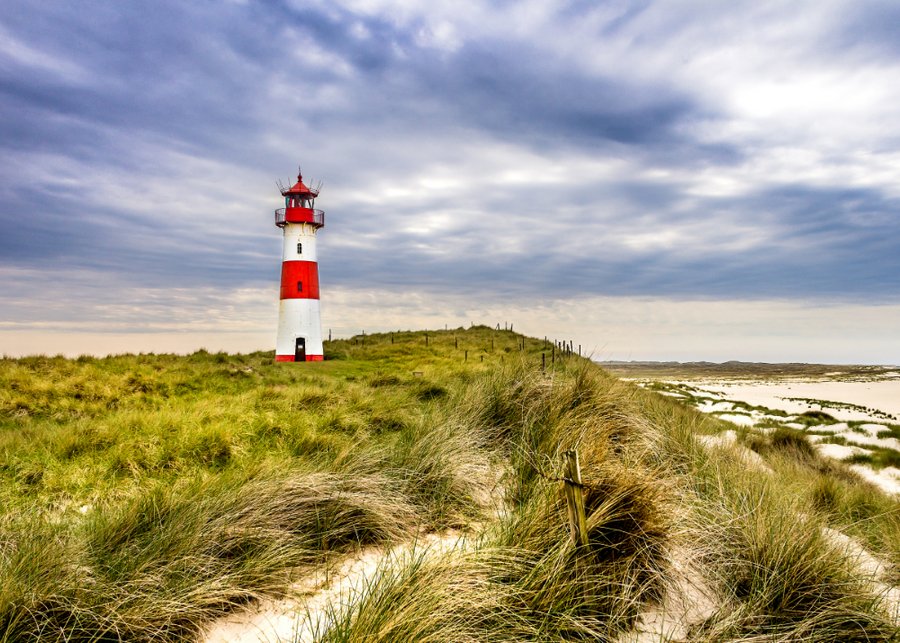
575,499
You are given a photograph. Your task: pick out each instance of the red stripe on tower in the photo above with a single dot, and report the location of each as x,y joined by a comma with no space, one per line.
299,280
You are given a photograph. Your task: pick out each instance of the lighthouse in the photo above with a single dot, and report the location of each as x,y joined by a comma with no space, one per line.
299,324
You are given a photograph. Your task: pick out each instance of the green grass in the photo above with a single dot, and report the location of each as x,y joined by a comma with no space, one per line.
143,496
783,441
877,457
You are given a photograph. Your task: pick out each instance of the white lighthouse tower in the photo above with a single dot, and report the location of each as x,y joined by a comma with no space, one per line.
299,324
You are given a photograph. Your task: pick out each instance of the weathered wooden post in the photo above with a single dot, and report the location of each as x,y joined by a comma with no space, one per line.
426,339
574,489
456,342
543,362
467,357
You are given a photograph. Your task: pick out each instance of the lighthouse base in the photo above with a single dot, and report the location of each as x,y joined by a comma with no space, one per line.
293,358
299,331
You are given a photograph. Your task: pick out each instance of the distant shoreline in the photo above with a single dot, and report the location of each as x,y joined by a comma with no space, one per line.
644,369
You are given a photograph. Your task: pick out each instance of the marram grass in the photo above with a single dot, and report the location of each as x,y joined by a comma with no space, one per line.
143,496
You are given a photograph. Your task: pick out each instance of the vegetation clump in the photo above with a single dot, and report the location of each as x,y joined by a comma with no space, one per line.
815,417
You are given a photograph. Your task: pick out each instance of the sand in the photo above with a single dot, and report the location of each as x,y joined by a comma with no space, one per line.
688,602
311,601
873,569
874,403
887,479
737,418
728,440
883,395
838,451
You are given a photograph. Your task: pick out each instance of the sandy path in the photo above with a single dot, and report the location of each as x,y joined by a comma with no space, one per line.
728,440
874,570
689,600
311,600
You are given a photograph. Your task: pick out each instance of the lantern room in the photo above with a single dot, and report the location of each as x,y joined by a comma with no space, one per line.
299,205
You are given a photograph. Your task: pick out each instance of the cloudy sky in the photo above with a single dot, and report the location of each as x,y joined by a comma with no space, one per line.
654,180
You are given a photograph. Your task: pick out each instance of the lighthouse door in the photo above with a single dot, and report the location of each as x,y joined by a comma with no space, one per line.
300,350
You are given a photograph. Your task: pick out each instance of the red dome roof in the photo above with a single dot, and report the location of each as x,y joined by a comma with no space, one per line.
300,189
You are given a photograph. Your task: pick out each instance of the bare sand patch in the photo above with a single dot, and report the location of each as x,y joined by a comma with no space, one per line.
870,566
688,601
728,440
887,479
867,440
838,451
881,395
737,418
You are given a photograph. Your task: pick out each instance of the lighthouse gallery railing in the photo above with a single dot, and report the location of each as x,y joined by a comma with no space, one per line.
317,217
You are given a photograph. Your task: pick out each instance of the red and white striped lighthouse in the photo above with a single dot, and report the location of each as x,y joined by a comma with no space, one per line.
299,324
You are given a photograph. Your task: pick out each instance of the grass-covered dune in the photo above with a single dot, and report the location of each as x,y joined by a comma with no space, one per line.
143,496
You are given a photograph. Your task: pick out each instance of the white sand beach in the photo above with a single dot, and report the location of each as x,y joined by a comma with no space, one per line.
786,395
863,414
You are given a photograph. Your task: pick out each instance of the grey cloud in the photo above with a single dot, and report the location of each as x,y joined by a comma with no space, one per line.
198,80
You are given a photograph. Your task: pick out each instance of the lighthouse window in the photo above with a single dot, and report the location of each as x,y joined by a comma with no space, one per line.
299,248
299,286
